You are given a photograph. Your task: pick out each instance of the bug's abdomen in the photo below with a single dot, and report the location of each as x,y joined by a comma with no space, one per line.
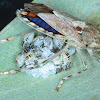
41,23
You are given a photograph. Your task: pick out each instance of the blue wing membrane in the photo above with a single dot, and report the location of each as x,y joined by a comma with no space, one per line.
41,23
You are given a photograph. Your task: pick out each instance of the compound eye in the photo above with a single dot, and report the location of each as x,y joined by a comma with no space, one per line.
78,28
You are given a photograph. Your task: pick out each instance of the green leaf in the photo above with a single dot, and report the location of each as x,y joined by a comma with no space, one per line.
22,86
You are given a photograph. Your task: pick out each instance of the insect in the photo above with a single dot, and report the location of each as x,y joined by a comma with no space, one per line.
57,24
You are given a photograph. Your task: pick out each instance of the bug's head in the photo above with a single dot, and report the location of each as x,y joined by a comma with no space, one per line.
88,33
91,36
79,26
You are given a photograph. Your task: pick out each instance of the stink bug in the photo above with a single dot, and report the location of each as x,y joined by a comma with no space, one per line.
57,24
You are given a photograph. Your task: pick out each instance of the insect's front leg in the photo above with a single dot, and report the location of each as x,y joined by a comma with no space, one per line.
35,67
75,74
14,37
29,38
83,59
30,44
68,77
16,71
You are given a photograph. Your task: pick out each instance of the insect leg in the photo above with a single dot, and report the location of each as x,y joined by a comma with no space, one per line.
40,65
75,74
68,77
11,38
82,59
51,58
30,68
16,71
